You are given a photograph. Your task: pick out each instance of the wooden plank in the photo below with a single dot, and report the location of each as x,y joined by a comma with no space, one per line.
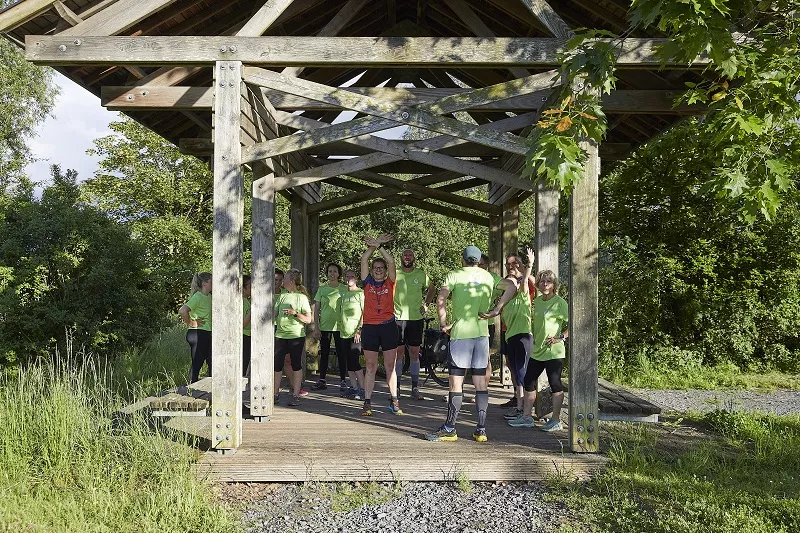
646,406
478,27
401,115
357,52
22,12
67,14
395,151
583,307
551,20
262,333
227,257
264,17
116,18
546,230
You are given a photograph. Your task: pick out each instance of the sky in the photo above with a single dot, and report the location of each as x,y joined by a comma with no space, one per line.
76,120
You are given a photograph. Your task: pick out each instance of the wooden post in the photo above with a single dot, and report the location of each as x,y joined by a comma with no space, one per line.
299,246
510,227
261,309
226,388
312,254
495,253
583,308
546,259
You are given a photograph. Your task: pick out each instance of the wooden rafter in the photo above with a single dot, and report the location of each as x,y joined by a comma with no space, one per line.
438,52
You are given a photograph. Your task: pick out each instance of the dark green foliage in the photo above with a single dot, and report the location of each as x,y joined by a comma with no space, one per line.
69,274
684,280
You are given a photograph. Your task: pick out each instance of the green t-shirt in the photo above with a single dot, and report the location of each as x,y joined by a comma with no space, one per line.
550,318
199,305
517,314
288,326
327,297
471,289
246,309
408,294
351,309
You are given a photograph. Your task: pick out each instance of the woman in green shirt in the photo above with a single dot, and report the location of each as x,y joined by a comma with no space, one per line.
351,312
292,313
196,313
326,327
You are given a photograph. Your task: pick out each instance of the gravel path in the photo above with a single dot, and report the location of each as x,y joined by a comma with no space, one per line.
413,508
780,402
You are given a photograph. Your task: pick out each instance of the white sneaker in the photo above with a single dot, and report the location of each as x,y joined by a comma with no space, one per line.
552,425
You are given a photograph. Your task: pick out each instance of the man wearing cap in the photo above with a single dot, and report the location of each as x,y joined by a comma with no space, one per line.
409,308
471,288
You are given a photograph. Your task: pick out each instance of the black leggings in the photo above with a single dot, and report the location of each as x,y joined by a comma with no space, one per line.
200,344
246,347
518,351
325,354
351,351
553,368
294,347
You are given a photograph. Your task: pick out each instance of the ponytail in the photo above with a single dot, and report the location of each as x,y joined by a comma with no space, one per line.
198,280
296,276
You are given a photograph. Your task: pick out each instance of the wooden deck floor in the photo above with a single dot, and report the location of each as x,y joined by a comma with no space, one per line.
327,439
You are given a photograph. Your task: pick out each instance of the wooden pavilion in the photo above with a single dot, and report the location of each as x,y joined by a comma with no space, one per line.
261,83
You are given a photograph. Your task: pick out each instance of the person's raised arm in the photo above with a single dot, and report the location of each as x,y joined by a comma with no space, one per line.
391,268
441,302
509,289
524,285
372,245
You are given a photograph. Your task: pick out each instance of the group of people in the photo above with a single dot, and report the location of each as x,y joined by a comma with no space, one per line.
387,312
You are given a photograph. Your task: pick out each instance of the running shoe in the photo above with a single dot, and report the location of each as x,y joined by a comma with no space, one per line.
359,394
319,385
416,394
442,435
303,392
394,408
522,422
512,413
510,403
294,402
276,398
480,435
343,388
366,410
552,425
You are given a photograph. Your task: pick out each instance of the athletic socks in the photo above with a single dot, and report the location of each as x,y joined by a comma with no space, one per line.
414,370
482,404
453,407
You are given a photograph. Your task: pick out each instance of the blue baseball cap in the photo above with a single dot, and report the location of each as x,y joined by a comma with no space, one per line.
471,253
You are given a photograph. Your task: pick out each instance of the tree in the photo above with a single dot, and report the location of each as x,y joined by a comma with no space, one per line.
69,273
27,95
684,280
163,196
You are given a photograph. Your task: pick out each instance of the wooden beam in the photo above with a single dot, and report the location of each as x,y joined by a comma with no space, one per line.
22,12
551,20
262,333
423,115
478,27
227,259
359,52
155,98
67,14
411,202
584,416
264,17
116,18
394,151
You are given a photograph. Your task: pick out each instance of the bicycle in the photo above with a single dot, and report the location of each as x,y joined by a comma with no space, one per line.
434,354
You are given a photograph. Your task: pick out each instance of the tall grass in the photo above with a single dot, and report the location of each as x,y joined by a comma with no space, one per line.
739,472
64,466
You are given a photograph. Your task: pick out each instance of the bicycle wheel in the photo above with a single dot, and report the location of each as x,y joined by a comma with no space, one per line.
439,373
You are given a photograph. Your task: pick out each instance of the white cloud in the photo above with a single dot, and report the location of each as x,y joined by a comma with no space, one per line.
77,119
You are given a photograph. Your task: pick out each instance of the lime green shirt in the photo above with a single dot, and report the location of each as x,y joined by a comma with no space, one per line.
408,290
351,309
496,292
327,298
199,305
517,314
246,309
550,318
288,326
471,289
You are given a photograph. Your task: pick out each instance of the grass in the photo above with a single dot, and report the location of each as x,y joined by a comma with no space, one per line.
721,472
65,467
706,378
344,497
